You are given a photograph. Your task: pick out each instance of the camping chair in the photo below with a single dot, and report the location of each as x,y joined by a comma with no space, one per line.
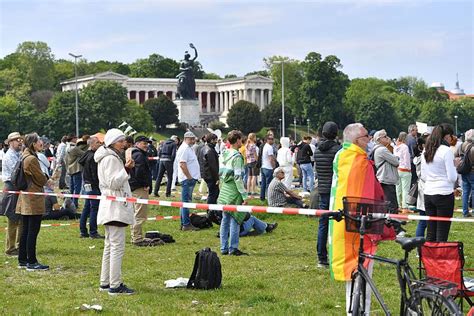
445,260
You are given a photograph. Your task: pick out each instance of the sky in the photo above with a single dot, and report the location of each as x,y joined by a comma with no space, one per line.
431,40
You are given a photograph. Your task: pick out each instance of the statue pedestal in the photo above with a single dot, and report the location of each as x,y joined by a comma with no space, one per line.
188,112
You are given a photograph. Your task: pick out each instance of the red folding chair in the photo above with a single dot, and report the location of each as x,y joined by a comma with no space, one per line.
445,260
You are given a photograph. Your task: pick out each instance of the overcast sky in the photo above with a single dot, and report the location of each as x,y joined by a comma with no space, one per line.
432,40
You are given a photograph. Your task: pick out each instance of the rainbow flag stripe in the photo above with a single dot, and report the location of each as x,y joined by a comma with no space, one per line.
353,176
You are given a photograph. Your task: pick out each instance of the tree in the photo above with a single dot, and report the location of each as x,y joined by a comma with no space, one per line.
59,118
155,66
18,116
464,109
229,76
138,117
41,99
245,116
375,112
35,63
211,75
323,89
263,73
162,110
271,116
435,112
293,74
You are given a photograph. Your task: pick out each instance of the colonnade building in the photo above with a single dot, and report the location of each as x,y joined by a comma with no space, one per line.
215,97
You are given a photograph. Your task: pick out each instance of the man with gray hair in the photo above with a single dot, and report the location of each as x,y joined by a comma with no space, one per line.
279,195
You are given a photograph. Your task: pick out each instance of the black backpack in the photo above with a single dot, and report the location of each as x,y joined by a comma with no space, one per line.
207,273
371,157
200,221
18,177
466,164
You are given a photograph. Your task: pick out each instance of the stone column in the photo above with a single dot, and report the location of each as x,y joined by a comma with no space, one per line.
137,96
245,94
173,95
200,101
146,95
208,102
270,96
252,95
226,101
262,99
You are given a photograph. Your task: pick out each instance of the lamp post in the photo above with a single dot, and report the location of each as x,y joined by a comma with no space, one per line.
456,124
294,123
307,121
282,62
77,100
281,128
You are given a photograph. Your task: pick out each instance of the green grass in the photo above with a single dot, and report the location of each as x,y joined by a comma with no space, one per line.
279,277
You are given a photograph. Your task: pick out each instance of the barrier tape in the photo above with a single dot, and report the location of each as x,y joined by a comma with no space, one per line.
149,158
237,208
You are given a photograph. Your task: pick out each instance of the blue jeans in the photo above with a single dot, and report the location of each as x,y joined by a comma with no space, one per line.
186,196
267,176
76,185
253,223
323,229
308,174
421,227
91,207
467,191
293,201
229,230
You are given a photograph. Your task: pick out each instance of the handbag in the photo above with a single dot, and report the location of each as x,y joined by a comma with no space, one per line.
413,194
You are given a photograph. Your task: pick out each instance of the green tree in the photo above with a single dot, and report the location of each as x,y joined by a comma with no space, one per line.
245,116
323,89
211,75
375,112
155,66
59,118
12,84
36,66
136,115
41,98
263,73
464,109
63,70
230,76
293,74
162,110
435,112
271,116
17,115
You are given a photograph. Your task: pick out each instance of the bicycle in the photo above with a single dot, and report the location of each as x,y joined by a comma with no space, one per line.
428,296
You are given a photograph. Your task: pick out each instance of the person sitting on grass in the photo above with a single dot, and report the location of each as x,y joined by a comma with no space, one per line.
53,211
281,196
252,226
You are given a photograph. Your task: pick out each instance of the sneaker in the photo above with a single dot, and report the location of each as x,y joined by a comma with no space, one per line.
188,228
85,236
467,215
225,253
97,236
323,264
401,234
170,196
237,252
22,265
13,253
271,227
36,267
156,194
104,288
121,290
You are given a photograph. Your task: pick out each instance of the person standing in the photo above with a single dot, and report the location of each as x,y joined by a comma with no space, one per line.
268,165
31,207
412,143
251,158
11,157
303,159
114,215
167,155
402,151
74,169
323,159
467,179
439,174
232,193
188,175
210,168
285,161
91,187
140,183
60,163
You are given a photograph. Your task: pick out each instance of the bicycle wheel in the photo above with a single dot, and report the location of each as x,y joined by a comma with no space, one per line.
424,303
357,297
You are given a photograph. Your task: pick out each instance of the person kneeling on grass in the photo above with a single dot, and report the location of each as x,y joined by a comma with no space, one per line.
114,215
252,226
279,195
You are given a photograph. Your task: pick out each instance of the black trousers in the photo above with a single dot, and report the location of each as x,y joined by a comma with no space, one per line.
213,191
31,227
168,167
443,206
390,193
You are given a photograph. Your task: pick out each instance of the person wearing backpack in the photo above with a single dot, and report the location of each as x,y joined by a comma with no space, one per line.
31,207
466,150
10,159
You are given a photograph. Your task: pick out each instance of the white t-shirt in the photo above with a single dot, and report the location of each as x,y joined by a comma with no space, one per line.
440,174
187,155
266,153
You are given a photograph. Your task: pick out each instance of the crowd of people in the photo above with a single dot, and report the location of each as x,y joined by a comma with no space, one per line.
232,171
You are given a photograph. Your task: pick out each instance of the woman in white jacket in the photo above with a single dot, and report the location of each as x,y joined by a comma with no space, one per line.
285,160
114,215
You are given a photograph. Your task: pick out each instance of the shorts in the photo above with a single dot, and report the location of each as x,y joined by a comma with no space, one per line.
252,169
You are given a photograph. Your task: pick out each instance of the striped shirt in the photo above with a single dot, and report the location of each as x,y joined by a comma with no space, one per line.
276,193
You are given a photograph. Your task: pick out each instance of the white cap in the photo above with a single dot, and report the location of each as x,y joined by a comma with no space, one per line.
112,136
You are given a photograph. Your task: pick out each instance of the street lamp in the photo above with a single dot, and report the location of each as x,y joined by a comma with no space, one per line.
282,62
294,123
281,127
456,124
307,121
77,100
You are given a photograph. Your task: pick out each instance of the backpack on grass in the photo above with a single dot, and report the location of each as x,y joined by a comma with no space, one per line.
207,273
18,177
199,221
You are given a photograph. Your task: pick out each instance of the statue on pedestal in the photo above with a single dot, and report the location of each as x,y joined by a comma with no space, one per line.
186,82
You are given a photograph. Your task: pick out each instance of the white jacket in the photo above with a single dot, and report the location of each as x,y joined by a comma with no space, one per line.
113,180
284,156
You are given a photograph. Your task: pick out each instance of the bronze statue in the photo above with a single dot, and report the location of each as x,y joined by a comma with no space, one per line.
186,82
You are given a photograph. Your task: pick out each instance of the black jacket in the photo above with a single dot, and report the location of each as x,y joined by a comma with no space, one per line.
210,163
304,153
89,171
140,175
323,158
168,150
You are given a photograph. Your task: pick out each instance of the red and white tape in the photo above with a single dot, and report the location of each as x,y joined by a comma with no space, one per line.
237,208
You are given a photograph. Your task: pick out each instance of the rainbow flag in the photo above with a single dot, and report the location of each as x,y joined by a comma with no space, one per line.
353,176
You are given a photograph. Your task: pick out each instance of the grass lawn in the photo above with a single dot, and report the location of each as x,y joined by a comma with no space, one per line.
279,277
